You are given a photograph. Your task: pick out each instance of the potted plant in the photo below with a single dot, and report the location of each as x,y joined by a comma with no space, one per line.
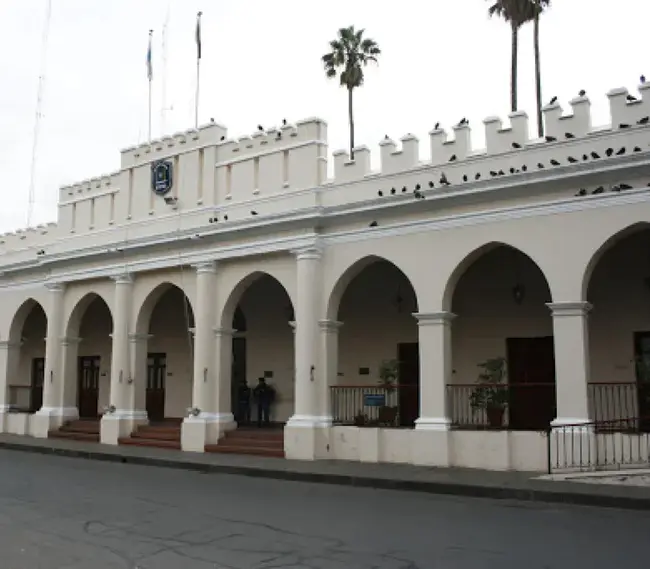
388,379
360,419
491,394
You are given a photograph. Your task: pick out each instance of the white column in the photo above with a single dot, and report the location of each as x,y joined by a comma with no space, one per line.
306,404
118,421
9,357
571,344
52,382
435,369
328,364
223,368
138,392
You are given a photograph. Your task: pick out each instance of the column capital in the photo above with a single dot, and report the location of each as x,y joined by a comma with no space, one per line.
55,287
122,278
224,332
68,341
8,345
559,309
313,251
331,326
205,267
433,318
136,338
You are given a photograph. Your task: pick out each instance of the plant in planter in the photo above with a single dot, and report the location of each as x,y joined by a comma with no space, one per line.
388,379
492,393
360,419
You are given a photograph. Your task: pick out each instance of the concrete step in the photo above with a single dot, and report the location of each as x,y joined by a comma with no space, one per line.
157,443
157,435
74,436
248,450
80,428
246,438
228,442
147,429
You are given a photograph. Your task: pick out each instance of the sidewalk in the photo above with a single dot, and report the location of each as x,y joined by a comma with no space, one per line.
448,481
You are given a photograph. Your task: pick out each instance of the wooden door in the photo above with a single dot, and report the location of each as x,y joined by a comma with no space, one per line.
531,375
38,377
642,353
238,372
408,356
155,398
88,386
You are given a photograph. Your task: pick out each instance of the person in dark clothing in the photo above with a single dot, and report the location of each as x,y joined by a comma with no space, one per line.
244,403
264,395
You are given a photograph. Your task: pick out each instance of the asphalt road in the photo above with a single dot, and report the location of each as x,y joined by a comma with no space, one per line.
63,513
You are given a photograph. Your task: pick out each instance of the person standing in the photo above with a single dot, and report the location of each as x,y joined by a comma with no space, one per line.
243,403
264,395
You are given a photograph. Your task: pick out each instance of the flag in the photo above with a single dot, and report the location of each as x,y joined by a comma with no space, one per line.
198,35
149,66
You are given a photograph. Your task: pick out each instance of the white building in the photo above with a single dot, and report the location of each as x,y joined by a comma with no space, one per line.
131,306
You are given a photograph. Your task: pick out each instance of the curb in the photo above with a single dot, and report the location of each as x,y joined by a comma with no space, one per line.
443,488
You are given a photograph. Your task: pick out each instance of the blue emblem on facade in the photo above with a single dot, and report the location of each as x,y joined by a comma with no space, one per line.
162,177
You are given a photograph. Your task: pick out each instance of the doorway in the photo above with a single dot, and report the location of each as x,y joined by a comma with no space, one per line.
642,369
38,377
155,397
88,386
238,374
531,376
408,356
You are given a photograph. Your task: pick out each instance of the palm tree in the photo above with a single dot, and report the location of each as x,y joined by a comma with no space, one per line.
539,7
350,53
516,13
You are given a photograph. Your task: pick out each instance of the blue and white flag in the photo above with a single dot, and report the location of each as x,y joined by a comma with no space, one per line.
198,35
149,66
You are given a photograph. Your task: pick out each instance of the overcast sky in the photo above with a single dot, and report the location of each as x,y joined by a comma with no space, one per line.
261,62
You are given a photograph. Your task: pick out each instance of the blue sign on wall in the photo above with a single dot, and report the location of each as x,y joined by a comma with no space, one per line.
374,400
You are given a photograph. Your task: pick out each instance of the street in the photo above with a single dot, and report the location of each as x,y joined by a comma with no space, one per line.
63,513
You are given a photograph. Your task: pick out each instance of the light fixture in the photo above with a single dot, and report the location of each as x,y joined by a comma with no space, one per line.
171,200
518,293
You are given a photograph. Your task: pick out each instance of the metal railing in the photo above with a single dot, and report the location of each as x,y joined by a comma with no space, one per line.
526,406
599,445
374,406
611,401
20,398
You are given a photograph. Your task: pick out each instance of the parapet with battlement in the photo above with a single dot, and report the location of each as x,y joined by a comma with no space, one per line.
281,164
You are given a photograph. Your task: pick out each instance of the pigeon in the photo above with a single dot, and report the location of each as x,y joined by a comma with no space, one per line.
284,122
516,145
225,218
260,128
512,170
644,120
463,121
615,188
431,184
540,165
380,193
582,192
631,98
609,152
386,137
598,190
585,157
417,187
443,180
253,212
404,190
637,149
550,139
452,158
373,224
493,173
569,135
623,125
464,177
554,162
582,92
625,186
278,136
642,78
524,168
502,173
393,191
553,101
437,127
595,155
572,160
621,152
223,138
478,176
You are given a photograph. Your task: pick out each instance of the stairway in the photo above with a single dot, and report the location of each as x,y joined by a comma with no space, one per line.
251,441
78,430
166,434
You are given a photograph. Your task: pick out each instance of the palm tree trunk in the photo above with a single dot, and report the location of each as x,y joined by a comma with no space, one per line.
351,119
513,71
538,80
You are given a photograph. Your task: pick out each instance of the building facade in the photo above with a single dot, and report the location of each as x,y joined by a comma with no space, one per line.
205,260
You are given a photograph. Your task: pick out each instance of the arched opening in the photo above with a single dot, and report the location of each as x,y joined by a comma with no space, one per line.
503,365
618,287
260,312
25,373
88,344
167,321
378,356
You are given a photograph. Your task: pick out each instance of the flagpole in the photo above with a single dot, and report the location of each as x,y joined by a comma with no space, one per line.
198,69
150,77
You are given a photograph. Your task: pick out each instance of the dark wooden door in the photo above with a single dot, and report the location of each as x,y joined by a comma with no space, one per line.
531,374
238,372
88,386
156,373
38,377
642,359
408,356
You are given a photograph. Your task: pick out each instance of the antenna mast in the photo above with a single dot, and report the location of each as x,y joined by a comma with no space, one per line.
39,104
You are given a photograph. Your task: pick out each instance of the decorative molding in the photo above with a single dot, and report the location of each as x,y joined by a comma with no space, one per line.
563,309
433,318
8,345
135,338
330,326
432,424
68,341
55,287
312,251
125,278
224,332
206,267
309,422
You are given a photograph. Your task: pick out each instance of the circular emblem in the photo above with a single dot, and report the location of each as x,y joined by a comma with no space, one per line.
161,177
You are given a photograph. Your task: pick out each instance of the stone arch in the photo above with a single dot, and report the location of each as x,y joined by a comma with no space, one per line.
605,246
232,300
20,317
474,255
146,308
350,273
76,316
